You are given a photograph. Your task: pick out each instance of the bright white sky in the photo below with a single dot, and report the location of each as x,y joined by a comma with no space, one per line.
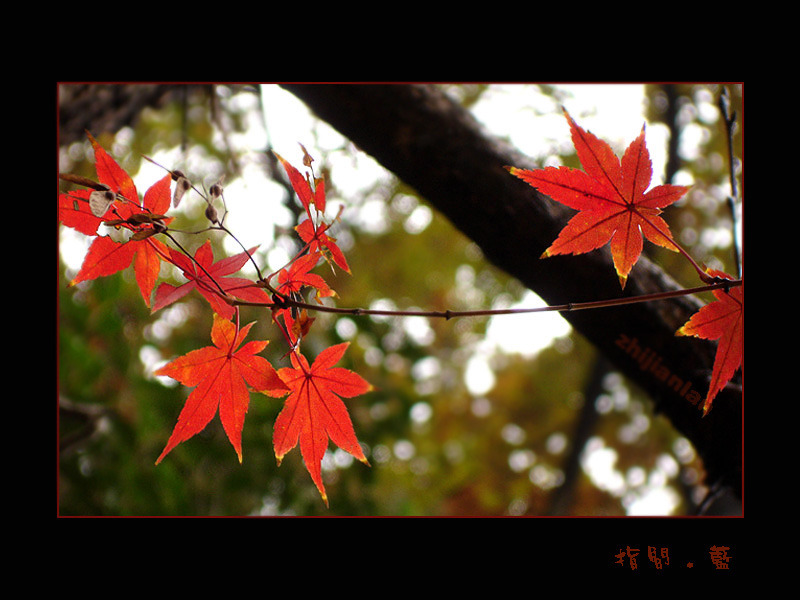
613,112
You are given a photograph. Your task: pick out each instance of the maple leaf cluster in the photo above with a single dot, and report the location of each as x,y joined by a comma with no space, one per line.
115,202
615,206
613,199
224,374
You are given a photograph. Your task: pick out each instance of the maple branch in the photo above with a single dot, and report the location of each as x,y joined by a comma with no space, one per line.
287,302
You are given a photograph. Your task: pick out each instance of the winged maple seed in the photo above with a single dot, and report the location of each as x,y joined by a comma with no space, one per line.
723,320
182,185
611,197
100,202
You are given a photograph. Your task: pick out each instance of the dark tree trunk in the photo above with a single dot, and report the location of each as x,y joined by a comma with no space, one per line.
436,147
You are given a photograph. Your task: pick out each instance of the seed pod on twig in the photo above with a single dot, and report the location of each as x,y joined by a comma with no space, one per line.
216,190
211,214
181,186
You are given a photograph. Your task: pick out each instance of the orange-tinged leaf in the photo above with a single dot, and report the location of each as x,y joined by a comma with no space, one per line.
221,374
74,212
612,198
106,257
302,187
299,276
311,232
314,412
290,283
319,194
320,242
723,320
111,174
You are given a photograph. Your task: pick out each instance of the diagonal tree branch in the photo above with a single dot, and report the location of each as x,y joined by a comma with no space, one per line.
438,148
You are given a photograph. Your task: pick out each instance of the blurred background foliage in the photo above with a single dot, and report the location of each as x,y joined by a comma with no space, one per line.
551,432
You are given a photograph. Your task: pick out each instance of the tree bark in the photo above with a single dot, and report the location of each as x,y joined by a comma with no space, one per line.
439,149
99,108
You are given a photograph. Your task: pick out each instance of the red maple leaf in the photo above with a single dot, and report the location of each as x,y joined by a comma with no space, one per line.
299,276
320,242
74,209
314,411
74,212
112,175
291,282
723,320
221,373
611,197
302,186
210,280
312,233
106,256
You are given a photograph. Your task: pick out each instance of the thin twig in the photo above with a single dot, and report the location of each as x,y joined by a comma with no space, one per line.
729,118
202,268
287,302
249,256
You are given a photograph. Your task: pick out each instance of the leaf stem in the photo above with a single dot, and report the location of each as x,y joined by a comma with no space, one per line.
235,334
249,256
700,271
